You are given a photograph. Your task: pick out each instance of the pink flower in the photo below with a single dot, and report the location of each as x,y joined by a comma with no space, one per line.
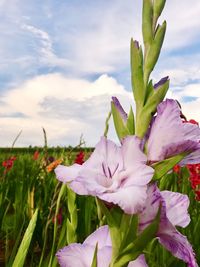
116,174
81,255
169,136
173,213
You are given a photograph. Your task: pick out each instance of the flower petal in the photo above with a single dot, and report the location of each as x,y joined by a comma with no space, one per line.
139,262
179,136
101,235
167,121
75,255
139,174
179,147
178,245
176,208
130,199
106,152
81,255
152,204
136,172
192,158
131,150
93,182
66,174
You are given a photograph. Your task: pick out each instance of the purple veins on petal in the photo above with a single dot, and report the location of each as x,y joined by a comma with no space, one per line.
167,233
169,136
161,82
176,208
120,109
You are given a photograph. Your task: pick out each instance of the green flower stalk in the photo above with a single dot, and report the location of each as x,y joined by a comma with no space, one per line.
72,222
147,96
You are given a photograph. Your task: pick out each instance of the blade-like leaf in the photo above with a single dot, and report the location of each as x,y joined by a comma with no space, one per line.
94,261
23,249
134,249
162,167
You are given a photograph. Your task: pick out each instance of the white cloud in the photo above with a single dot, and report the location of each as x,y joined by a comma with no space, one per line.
64,107
83,40
45,49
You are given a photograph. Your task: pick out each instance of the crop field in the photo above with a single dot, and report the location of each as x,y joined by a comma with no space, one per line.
29,187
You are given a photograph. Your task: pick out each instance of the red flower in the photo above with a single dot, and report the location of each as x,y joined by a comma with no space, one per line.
8,163
36,155
194,170
80,158
197,195
176,168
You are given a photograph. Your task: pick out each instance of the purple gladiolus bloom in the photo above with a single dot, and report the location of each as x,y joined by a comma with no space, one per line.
169,136
173,213
116,174
81,255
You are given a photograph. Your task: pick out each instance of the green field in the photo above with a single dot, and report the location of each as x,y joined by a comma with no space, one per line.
29,184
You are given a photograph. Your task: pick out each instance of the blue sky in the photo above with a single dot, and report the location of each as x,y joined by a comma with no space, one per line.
61,61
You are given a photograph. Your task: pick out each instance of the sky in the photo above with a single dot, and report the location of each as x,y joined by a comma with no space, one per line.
61,61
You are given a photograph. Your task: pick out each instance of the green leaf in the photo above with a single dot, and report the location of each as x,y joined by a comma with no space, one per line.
23,249
94,261
155,96
131,122
162,167
113,218
71,233
128,229
134,249
71,198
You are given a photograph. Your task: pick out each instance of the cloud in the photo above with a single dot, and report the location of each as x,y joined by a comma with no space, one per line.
55,60
82,40
45,47
65,107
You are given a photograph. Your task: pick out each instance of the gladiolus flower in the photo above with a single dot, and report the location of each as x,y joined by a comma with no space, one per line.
169,136
116,174
173,213
82,254
8,164
36,155
80,158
